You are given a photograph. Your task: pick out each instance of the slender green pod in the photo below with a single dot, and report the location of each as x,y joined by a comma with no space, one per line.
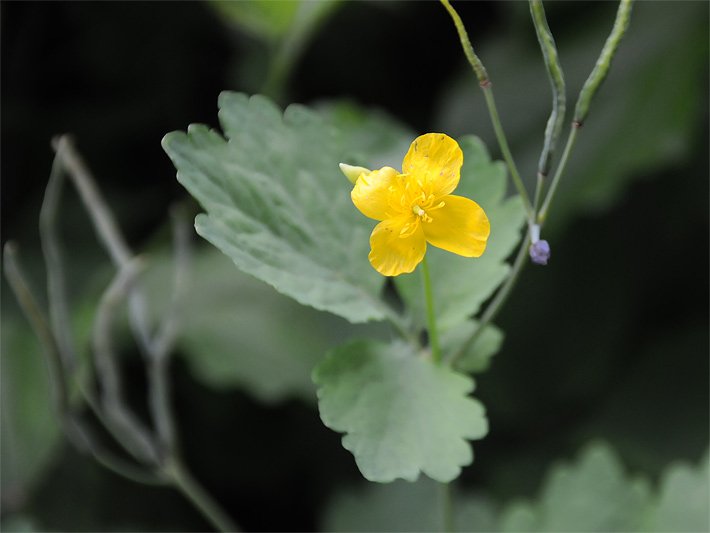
485,83
557,82
621,23
478,67
601,68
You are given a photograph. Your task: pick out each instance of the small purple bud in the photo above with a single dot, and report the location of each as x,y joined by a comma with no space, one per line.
540,252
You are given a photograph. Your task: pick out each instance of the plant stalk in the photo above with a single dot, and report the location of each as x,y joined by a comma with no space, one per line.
430,314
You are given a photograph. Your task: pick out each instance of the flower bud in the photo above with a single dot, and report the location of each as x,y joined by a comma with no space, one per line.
353,173
540,252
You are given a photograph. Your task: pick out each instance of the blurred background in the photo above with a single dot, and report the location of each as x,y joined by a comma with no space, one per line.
608,342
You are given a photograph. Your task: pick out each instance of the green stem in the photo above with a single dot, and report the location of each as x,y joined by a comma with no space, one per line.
197,495
447,507
487,87
571,139
601,68
595,79
505,150
500,298
557,83
430,315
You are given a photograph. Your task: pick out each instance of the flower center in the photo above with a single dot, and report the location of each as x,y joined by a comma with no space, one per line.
421,213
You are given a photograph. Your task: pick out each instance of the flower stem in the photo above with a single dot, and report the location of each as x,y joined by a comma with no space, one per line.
542,213
430,315
500,298
485,83
193,491
447,507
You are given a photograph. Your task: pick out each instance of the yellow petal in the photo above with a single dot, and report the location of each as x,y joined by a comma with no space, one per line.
371,192
392,254
460,226
435,161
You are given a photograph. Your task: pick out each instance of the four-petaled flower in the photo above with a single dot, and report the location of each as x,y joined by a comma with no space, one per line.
416,206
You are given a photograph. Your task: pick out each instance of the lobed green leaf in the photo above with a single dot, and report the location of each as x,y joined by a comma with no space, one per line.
278,206
401,414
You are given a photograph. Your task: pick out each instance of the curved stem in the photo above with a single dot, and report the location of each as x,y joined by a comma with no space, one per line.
557,84
430,315
542,214
486,85
500,298
601,68
198,496
505,150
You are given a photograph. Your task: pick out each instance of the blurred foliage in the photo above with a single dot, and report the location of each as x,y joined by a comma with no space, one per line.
228,343
592,494
610,340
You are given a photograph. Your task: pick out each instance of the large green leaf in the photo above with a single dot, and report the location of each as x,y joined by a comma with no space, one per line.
594,494
462,284
401,414
278,206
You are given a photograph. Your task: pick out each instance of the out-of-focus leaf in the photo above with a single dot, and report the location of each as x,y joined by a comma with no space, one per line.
278,206
593,494
267,19
477,357
236,331
684,499
462,284
374,138
405,506
638,120
18,524
401,414
29,430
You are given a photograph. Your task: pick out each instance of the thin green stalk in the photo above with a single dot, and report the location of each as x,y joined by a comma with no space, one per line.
75,430
487,87
33,312
430,315
500,298
601,68
557,83
447,507
59,315
571,139
596,77
505,150
193,491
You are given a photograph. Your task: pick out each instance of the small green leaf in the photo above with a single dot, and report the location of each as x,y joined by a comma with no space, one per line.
278,206
594,494
401,414
462,284
477,357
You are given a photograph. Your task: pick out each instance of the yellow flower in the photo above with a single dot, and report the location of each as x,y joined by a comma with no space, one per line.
416,206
